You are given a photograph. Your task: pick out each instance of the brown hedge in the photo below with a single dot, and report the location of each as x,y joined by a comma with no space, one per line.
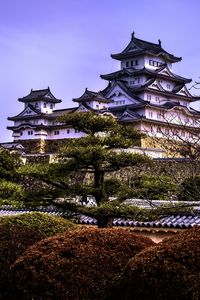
14,240
82,264
170,270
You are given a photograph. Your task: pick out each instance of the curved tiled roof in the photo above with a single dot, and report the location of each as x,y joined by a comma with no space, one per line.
181,221
138,47
173,221
37,95
92,96
153,73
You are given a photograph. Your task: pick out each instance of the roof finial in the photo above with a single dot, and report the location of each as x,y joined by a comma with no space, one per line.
132,35
159,42
48,88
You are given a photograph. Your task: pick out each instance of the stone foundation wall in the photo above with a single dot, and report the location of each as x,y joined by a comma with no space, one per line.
179,169
43,146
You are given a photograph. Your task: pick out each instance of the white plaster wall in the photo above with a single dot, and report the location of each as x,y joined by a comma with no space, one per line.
40,106
139,66
164,84
63,134
97,105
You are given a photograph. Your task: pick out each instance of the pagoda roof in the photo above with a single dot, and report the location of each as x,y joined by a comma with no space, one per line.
38,95
92,96
154,73
138,47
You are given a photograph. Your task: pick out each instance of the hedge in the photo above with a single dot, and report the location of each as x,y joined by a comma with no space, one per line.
19,232
44,223
82,264
170,270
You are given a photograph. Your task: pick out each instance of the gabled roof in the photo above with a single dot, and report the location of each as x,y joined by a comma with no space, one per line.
92,96
124,87
138,47
129,110
22,115
12,146
165,72
129,114
38,95
60,112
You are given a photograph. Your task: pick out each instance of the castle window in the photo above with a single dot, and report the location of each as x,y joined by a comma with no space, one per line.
148,97
127,64
30,132
51,106
168,86
154,63
150,114
159,116
45,105
68,131
157,99
131,63
56,132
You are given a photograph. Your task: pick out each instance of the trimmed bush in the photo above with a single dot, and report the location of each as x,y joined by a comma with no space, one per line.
44,223
170,270
82,264
14,240
19,232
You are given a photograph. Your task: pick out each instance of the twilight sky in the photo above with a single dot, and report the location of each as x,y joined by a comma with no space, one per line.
66,44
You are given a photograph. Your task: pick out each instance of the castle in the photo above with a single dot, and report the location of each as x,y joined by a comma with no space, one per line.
144,92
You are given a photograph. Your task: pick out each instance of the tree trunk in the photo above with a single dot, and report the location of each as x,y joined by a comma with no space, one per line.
105,221
99,185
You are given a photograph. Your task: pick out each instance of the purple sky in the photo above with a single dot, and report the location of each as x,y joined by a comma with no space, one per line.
66,44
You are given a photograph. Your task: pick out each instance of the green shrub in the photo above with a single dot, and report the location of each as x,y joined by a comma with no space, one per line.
44,223
82,264
170,270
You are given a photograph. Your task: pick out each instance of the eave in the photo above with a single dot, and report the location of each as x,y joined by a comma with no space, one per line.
164,93
39,99
168,57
